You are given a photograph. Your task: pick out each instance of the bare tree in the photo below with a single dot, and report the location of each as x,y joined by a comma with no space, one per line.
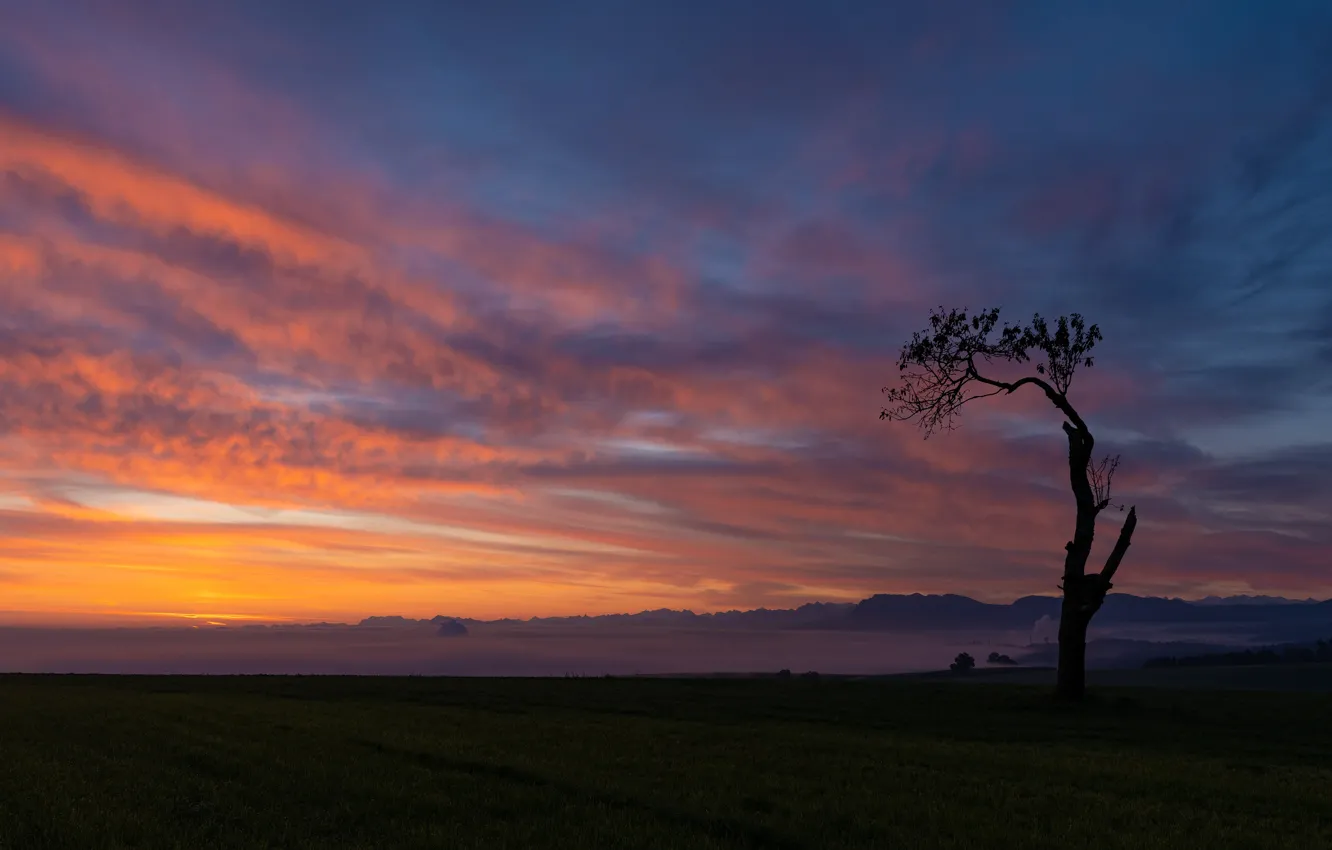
941,372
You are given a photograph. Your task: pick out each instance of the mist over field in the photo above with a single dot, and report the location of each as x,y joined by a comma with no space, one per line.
498,651
540,650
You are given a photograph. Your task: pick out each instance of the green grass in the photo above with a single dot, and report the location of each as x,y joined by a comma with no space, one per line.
92,762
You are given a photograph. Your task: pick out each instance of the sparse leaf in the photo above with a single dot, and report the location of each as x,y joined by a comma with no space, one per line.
940,367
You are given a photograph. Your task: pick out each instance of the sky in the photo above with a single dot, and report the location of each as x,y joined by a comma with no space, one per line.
322,310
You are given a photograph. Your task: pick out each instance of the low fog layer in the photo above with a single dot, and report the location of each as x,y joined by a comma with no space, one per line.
514,651
530,650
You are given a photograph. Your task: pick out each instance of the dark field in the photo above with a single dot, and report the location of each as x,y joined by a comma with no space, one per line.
1274,677
91,762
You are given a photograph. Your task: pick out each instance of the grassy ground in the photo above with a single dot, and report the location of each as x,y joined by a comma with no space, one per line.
1271,677
89,762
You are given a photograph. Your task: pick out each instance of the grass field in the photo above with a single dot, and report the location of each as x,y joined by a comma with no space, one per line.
1272,677
88,762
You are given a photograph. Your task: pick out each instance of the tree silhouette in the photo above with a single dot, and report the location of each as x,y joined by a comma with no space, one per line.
940,373
962,663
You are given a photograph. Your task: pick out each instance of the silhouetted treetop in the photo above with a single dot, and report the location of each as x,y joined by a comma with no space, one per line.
941,366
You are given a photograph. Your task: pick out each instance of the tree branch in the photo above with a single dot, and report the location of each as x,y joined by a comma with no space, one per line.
1101,476
1121,546
1080,444
1057,398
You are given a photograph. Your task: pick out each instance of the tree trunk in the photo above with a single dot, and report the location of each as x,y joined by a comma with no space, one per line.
1083,597
1078,604
1072,675
1083,593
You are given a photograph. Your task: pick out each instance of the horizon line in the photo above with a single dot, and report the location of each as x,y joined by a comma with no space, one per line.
169,620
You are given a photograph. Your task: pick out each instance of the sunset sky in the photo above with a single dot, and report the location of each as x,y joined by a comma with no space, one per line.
323,310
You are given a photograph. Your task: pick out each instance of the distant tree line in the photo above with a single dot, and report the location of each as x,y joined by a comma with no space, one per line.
964,662
1292,654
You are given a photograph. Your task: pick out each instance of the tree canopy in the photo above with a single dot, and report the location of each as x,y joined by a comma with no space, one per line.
939,365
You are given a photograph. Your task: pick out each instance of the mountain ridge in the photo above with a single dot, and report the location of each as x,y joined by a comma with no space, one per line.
931,612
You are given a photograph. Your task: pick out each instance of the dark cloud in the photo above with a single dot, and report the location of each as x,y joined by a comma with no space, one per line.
31,191
1293,476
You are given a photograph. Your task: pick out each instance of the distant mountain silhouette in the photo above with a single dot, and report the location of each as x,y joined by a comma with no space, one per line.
949,612
1274,620
1264,618
1253,600
450,628
811,614
439,620
390,622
